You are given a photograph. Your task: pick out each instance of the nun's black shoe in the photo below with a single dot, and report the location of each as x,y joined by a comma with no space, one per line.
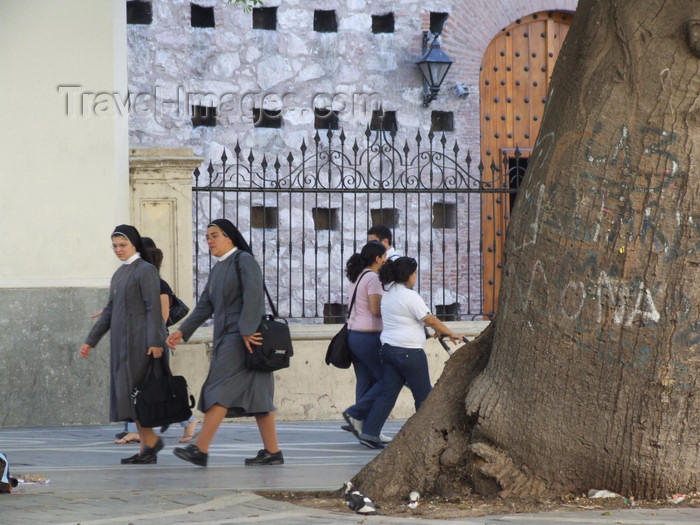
265,457
147,457
155,449
192,454
140,459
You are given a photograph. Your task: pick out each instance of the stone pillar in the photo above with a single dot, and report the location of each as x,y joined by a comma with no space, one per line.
161,208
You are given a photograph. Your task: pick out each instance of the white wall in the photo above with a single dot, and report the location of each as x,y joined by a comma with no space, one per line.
64,185
63,179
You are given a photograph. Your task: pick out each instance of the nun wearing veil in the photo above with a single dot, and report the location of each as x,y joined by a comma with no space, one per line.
137,330
231,389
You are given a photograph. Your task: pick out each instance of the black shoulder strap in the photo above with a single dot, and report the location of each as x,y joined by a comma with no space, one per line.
273,309
354,293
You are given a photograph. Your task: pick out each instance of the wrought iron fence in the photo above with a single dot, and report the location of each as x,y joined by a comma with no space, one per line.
305,214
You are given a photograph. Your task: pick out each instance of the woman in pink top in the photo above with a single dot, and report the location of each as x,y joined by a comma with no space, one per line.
364,329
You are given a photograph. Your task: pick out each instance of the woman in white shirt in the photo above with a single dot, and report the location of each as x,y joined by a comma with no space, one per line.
404,315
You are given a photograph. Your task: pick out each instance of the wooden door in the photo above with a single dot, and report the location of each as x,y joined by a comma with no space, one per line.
514,82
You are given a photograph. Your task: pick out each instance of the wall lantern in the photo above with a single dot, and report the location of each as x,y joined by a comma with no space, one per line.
433,65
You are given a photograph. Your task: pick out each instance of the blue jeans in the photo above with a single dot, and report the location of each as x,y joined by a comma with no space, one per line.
399,366
364,347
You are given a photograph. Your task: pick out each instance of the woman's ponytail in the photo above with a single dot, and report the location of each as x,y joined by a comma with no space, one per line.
359,261
386,273
397,271
151,253
354,267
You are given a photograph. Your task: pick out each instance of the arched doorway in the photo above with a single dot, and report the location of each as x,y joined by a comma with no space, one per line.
513,84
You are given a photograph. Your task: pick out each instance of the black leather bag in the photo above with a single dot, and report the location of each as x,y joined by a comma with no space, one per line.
162,399
178,311
338,353
276,349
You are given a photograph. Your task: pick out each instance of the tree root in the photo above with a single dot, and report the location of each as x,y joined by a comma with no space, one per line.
494,474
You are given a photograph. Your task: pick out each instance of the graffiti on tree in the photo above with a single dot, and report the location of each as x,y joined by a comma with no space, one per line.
623,207
615,199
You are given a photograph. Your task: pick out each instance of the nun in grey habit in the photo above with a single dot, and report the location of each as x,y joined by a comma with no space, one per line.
231,389
137,331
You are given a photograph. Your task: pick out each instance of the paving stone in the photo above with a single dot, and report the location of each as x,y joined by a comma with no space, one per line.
87,485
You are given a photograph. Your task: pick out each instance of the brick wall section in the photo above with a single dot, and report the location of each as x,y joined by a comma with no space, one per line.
468,32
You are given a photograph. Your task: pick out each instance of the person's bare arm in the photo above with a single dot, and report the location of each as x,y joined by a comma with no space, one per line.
165,306
375,304
441,330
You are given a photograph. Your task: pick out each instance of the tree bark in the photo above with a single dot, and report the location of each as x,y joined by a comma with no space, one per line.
591,380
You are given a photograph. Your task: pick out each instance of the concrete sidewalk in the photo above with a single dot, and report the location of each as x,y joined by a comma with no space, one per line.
87,485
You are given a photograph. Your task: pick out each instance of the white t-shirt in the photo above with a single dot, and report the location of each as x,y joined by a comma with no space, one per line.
392,254
403,313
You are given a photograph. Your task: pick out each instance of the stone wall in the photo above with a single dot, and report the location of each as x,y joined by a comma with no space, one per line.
309,389
295,69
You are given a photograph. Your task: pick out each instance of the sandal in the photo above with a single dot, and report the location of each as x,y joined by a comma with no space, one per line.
131,437
189,432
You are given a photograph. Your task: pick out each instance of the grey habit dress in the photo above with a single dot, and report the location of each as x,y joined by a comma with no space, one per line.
134,318
237,308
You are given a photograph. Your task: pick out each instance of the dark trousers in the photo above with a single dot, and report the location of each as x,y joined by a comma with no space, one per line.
399,366
364,347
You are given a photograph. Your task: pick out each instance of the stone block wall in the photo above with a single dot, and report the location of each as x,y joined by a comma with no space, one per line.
309,389
294,69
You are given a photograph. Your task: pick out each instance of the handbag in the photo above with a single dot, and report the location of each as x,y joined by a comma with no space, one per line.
338,353
276,349
178,311
162,400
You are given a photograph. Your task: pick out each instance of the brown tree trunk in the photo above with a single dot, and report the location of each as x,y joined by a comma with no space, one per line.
591,380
